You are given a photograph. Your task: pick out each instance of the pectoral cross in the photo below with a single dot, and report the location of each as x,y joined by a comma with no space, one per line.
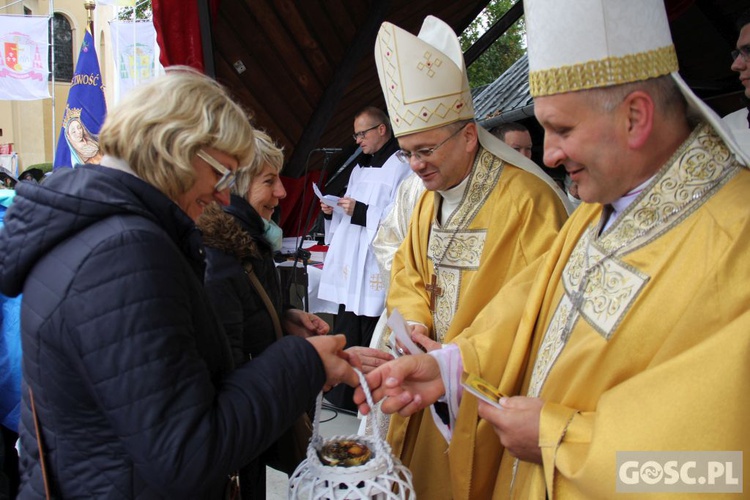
435,291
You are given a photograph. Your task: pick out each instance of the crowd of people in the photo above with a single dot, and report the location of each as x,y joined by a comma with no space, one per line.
161,358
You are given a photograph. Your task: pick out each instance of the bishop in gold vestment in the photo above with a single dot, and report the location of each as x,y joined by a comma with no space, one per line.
507,219
489,213
623,361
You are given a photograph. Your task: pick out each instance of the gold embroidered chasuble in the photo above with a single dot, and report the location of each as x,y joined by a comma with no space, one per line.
507,218
639,336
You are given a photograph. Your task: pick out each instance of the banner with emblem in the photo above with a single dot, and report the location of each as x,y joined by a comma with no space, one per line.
84,112
24,70
136,54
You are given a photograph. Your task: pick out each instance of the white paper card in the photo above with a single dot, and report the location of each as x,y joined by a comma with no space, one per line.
328,199
401,330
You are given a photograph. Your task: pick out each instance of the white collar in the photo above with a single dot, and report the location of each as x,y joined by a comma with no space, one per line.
452,198
624,202
117,164
619,205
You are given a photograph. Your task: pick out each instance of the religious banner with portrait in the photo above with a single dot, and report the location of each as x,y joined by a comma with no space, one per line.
84,112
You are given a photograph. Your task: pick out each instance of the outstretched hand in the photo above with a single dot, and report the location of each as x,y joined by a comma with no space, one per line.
302,324
337,362
370,358
405,385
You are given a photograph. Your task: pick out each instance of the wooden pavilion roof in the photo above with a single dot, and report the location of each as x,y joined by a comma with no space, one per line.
305,67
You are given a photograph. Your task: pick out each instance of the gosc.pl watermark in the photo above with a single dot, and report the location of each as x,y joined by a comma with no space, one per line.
679,471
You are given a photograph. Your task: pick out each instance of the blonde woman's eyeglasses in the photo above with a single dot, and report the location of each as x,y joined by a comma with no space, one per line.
227,176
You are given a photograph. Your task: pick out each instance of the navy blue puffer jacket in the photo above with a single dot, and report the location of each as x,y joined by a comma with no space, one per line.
129,368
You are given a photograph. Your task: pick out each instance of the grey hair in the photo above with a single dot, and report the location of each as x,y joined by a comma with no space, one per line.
376,114
456,126
663,90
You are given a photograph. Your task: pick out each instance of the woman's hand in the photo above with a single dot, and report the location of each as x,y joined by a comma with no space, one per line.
301,324
371,358
338,363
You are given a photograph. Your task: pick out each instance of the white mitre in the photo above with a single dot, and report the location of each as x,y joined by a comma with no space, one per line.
586,44
423,77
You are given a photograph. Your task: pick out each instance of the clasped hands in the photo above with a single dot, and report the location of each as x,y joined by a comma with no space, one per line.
413,382
339,362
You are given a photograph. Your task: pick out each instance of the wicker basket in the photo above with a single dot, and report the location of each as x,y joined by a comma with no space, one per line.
382,477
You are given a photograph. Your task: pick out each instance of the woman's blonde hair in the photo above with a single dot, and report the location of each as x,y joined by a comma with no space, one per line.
267,152
159,127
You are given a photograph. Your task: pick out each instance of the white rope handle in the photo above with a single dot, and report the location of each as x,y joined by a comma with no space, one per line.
379,441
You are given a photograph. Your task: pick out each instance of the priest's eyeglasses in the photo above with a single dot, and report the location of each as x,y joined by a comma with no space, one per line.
227,176
743,51
424,153
361,134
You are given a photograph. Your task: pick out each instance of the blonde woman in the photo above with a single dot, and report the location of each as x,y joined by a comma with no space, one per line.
129,389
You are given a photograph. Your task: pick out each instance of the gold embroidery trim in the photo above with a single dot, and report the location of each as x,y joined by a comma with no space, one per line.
604,72
697,170
484,177
464,255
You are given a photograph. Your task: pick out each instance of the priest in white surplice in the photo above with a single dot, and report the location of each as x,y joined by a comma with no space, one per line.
351,276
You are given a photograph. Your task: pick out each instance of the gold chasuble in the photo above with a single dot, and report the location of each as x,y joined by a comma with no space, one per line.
638,337
506,219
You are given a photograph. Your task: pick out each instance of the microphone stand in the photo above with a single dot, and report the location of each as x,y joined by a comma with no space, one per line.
302,253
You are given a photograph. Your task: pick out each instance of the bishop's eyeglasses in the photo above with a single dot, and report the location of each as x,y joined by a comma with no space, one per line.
424,153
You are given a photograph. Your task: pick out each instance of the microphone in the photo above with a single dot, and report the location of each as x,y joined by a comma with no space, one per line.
329,150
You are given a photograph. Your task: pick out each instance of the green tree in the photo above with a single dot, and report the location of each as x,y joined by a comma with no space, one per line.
500,55
142,11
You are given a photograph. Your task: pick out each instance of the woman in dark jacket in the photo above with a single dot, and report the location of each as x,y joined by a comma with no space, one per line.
126,369
239,237
242,234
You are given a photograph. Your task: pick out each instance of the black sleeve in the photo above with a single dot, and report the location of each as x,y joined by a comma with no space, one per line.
442,411
359,216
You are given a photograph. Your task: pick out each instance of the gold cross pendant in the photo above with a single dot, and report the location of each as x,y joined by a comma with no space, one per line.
435,291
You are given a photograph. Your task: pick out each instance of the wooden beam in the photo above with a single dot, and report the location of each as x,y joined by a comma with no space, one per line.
204,18
496,31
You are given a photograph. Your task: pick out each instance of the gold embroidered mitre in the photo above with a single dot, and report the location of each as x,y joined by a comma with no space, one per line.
586,44
423,77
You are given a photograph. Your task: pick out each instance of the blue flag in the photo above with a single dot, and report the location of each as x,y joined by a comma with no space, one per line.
84,112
